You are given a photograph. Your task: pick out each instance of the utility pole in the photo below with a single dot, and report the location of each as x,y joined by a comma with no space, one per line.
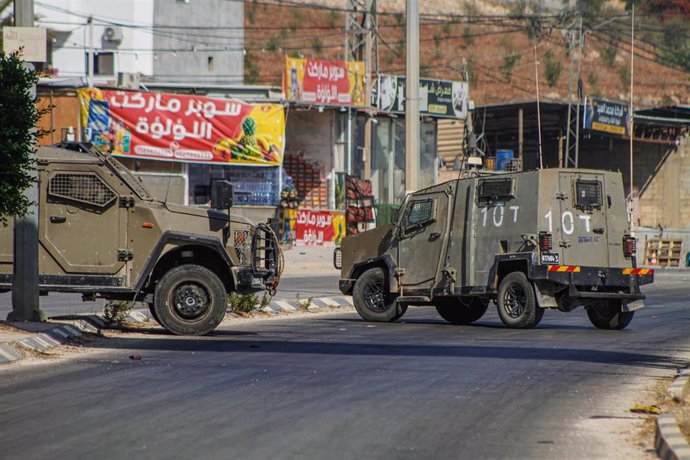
631,113
412,96
89,72
361,44
572,140
25,295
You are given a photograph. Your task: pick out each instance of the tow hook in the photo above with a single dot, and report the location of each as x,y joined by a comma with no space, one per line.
603,274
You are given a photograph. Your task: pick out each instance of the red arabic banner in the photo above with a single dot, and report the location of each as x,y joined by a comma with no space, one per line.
319,227
315,81
178,127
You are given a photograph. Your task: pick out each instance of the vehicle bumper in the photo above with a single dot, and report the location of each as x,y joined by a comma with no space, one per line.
245,280
346,286
598,282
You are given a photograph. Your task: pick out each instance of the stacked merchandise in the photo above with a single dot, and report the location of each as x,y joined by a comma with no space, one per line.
359,204
255,185
309,181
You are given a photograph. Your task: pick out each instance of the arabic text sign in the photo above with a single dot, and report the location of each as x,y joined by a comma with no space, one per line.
315,81
607,117
437,98
319,227
186,128
33,40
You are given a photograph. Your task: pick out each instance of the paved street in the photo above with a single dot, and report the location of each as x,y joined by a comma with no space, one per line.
333,386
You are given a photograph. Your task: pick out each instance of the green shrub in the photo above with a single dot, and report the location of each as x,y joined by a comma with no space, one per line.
552,69
116,311
242,303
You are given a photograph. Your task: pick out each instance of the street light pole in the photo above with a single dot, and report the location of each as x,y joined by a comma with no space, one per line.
412,97
25,294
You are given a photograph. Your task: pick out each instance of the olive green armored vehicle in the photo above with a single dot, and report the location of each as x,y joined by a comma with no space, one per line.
102,234
553,238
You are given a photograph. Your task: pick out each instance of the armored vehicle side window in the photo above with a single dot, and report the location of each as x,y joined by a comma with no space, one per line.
588,194
420,212
85,188
496,188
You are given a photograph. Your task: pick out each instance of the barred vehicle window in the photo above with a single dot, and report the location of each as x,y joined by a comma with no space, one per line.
421,211
588,193
86,188
492,189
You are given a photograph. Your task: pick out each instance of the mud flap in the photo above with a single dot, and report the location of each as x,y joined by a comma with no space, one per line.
632,305
543,291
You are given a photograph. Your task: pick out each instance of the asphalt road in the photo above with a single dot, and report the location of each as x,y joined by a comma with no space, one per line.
59,304
335,387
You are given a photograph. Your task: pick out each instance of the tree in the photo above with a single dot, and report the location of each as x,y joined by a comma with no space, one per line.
18,119
665,9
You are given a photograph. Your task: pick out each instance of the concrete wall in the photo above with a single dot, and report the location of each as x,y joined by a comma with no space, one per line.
665,203
614,154
204,54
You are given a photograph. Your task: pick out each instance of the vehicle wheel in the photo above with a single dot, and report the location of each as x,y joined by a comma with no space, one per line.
517,304
461,311
607,314
372,300
190,300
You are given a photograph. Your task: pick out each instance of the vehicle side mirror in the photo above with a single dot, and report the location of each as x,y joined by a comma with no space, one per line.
395,215
222,195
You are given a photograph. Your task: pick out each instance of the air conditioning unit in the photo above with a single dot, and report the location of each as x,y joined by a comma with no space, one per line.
113,34
128,80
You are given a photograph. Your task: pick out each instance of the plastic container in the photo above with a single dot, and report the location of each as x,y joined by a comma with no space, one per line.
502,159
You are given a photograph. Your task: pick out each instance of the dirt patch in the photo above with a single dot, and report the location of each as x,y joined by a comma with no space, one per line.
660,397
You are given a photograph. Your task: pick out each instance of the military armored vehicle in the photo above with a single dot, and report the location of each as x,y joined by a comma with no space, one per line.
102,234
553,238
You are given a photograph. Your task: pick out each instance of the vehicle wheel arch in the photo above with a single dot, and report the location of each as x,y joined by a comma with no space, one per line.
385,262
504,266
201,254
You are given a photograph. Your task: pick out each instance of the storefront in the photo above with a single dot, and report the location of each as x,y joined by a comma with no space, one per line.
325,140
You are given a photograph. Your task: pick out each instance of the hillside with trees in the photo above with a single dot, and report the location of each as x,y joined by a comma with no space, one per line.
496,45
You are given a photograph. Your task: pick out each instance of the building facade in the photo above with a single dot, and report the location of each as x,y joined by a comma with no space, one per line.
147,40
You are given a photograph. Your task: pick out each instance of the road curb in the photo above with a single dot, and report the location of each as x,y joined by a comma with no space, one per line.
41,342
669,443
312,304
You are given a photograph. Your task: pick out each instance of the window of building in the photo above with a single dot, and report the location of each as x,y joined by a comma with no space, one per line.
103,63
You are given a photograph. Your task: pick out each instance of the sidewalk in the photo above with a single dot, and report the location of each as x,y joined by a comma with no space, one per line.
309,260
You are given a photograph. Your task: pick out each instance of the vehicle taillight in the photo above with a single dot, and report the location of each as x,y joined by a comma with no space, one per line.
545,241
629,246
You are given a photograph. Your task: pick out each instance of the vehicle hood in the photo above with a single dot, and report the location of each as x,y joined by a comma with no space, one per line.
365,246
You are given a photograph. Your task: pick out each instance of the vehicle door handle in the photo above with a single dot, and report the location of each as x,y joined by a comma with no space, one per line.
434,236
58,219
599,231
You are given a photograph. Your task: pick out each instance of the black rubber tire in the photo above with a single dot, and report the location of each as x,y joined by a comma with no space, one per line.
201,304
517,304
456,310
372,300
152,311
607,314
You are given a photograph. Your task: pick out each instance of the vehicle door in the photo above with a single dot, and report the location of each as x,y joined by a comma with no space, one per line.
581,235
423,235
82,226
